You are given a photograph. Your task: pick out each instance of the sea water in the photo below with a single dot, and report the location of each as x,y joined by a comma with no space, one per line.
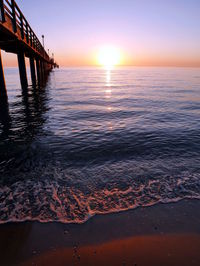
95,141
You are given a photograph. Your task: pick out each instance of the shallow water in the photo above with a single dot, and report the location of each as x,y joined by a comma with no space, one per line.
98,141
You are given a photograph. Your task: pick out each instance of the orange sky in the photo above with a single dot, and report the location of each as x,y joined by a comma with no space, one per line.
147,32
10,60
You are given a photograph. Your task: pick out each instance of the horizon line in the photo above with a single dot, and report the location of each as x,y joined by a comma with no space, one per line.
99,66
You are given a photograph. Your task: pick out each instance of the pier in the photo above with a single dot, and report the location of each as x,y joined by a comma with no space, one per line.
17,36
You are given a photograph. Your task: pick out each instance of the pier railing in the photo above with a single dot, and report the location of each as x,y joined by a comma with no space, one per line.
13,19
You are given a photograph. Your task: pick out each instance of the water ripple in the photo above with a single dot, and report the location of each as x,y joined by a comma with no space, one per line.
94,141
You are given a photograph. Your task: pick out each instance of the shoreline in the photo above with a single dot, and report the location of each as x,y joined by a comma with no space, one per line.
91,216
34,242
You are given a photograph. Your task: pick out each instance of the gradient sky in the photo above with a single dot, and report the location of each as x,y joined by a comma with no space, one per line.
148,32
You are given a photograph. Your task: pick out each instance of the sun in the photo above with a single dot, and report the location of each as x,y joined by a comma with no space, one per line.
109,56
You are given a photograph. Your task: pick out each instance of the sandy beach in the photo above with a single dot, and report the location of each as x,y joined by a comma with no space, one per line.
164,234
142,250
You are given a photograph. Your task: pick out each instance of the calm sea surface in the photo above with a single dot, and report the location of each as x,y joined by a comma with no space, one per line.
97,141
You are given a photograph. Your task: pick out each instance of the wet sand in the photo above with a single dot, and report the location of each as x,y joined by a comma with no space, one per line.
164,234
143,250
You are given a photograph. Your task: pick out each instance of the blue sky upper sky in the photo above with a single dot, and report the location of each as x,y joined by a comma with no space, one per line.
147,32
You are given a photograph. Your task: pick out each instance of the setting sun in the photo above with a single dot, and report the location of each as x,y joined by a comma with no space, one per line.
109,56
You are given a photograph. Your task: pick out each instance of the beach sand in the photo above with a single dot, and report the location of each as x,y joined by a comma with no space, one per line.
143,250
164,234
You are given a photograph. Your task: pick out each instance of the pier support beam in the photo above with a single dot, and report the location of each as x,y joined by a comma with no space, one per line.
38,71
32,68
22,70
45,68
3,92
42,70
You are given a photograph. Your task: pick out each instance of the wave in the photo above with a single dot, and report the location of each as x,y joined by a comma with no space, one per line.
69,200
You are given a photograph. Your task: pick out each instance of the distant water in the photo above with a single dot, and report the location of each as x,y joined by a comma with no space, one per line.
97,141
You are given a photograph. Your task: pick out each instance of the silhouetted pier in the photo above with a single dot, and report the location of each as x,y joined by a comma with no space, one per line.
17,36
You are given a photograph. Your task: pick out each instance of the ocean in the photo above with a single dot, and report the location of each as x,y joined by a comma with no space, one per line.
96,141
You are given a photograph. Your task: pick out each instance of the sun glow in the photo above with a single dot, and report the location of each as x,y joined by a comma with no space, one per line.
109,56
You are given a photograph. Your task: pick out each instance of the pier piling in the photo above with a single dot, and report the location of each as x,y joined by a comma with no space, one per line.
22,70
32,68
42,70
38,71
3,92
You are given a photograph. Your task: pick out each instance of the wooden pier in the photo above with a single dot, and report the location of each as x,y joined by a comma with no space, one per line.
17,36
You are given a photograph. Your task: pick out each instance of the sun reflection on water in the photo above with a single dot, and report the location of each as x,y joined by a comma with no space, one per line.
108,84
108,77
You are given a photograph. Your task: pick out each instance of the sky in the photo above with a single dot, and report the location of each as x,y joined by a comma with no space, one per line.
146,32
